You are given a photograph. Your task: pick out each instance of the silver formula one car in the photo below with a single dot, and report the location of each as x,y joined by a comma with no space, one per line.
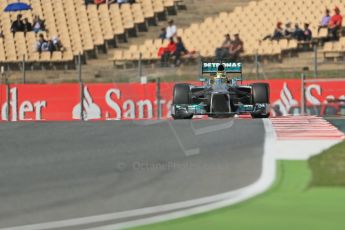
220,96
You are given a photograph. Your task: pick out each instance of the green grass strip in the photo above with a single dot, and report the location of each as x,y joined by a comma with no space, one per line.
290,204
328,168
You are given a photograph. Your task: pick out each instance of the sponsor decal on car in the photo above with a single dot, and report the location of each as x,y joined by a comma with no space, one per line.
229,67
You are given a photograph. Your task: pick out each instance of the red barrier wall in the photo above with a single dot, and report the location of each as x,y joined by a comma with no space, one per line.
136,101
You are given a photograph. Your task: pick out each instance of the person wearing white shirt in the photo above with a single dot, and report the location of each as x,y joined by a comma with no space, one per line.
171,30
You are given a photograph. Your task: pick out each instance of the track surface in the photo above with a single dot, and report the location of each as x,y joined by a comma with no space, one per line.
57,171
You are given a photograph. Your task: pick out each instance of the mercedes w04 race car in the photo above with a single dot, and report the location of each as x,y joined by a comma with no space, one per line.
221,96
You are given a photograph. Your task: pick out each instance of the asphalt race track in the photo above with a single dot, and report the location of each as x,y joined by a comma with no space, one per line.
58,171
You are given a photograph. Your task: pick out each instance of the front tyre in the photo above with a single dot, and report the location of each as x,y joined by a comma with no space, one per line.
257,115
260,95
181,117
182,96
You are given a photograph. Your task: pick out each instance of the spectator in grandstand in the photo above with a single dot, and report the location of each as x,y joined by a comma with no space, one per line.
97,2
27,25
278,33
111,2
40,43
223,51
49,47
179,51
38,24
335,24
307,34
123,1
17,25
298,34
87,2
57,45
171,29
288,30
166,52
163,34
236,48
325,20
43,45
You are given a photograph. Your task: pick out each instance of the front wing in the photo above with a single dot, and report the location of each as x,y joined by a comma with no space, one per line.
197,109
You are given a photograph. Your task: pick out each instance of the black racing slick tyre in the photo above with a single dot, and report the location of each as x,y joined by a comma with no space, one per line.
182,96
178,117
254,115
260,94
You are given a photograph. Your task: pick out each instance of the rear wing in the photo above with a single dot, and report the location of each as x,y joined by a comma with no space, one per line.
229,67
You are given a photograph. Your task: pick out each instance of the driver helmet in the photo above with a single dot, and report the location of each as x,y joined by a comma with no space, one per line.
220,74
220,77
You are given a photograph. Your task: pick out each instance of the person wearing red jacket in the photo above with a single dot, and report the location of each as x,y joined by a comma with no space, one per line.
335,24
97,2
166,52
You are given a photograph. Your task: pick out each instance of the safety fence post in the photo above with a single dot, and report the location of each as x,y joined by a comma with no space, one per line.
257,64
315,61
140,66
24,70
81,88
158,98
8,99
303,94
200,66
8,95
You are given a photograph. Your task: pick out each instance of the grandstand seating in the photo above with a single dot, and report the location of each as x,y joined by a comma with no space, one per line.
80,28
334,50
253,22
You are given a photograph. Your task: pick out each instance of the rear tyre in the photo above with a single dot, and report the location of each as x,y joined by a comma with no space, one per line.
182,96
261,95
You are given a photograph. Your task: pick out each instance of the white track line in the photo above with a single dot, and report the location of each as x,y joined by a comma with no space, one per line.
204,204
305,149
302,149
266,179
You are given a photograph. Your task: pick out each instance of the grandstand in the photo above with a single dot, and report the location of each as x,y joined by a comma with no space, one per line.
253,22
92,31
82,29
